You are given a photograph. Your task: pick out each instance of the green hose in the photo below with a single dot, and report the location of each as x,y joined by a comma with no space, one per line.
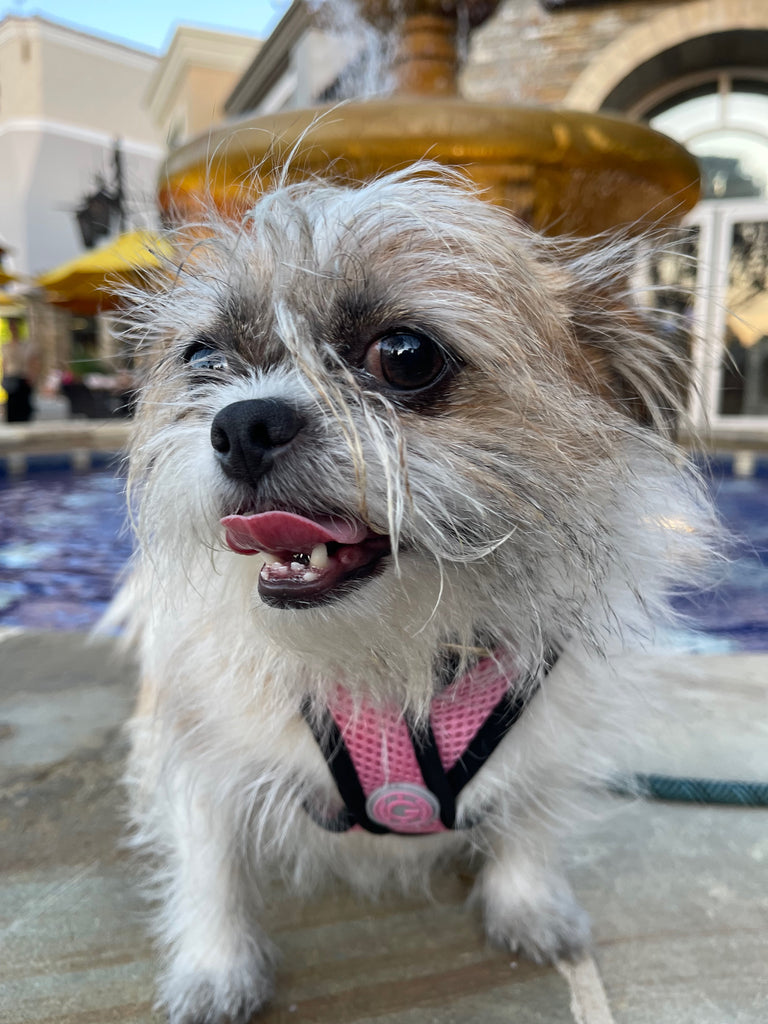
699,791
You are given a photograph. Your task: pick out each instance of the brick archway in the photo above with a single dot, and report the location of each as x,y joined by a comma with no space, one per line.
643,42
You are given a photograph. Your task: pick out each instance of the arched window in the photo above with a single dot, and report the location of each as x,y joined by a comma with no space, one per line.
724,122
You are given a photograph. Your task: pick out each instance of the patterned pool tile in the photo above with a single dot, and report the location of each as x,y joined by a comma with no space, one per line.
63,544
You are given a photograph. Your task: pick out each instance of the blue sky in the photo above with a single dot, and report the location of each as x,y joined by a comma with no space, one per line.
149,23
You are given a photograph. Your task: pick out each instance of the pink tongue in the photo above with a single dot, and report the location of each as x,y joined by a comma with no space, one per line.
284,531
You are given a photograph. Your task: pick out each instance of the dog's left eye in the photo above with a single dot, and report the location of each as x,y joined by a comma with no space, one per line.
200,356
406,361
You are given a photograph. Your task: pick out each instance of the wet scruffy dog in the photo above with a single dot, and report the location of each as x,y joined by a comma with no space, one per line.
403,490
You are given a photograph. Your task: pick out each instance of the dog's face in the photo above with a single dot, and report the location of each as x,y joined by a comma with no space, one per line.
392,397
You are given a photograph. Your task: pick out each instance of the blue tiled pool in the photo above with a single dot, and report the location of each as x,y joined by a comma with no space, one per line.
63,543
735,615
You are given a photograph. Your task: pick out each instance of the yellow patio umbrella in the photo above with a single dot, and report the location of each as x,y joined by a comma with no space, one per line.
87,283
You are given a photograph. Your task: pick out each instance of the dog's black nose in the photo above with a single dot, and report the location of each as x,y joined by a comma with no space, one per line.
246,435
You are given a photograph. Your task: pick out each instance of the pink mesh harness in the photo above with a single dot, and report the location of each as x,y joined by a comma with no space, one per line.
394,778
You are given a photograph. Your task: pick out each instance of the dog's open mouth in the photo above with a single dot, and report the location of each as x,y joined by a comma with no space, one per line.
306,561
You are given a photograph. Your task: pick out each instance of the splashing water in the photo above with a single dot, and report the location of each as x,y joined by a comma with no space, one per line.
366,50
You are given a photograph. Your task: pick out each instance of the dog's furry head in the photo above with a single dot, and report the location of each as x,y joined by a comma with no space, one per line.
492,402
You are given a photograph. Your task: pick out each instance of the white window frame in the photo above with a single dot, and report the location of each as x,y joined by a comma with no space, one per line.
715,219
719,216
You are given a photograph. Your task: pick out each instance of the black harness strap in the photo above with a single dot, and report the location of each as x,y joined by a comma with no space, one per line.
431,768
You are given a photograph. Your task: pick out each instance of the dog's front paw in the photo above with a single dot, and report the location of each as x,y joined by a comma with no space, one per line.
544,935
538,917
207,996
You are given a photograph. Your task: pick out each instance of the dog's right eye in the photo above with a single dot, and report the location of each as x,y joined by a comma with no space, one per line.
405,361
201,356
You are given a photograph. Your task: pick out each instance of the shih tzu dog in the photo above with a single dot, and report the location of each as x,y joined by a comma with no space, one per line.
403,489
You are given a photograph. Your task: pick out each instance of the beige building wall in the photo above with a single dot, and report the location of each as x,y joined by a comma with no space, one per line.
21,85
206,90
58,73
190,85
95,84
65,98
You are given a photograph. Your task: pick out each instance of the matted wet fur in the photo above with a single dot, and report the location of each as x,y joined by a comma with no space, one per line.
532,503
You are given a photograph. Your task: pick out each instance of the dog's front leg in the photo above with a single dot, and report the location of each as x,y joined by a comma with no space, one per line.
218,962
528,904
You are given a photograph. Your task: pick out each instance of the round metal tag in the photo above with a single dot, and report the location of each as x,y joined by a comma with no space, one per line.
404,807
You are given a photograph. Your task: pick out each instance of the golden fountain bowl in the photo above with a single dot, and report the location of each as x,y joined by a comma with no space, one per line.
561,171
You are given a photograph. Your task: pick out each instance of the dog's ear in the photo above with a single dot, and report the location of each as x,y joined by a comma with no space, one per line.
634,354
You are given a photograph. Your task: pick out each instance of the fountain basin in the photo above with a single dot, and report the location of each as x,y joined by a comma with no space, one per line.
561,171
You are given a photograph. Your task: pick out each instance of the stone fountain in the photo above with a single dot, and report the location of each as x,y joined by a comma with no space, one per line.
561,171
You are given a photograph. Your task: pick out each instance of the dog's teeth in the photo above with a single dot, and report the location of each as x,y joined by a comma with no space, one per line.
310,577
319,557
269,559
296,566
274,570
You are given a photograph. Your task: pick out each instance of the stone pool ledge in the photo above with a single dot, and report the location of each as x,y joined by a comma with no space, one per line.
53,444
61,444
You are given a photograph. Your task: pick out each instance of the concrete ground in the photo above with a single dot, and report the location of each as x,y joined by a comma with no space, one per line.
678,893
